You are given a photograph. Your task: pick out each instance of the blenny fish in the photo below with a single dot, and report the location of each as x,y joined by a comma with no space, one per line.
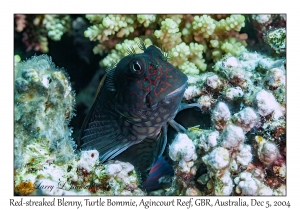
136,101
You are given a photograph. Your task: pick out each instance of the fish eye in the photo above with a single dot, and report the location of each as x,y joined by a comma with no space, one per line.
137,67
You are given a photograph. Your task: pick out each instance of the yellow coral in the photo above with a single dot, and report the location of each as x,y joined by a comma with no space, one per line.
189,68
234,22
186,37
119,25
196,55
188,58
222,35
176,18
96,19
229,46
203,26
121,50
57,25
169,35
146,20
25,188
179,54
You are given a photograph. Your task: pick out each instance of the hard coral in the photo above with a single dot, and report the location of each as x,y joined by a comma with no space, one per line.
25,188
43,98
257,107
186,37
36,29
45,160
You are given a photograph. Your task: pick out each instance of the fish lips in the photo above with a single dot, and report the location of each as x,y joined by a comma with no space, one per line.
177,93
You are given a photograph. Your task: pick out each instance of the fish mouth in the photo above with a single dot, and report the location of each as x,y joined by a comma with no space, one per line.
177,91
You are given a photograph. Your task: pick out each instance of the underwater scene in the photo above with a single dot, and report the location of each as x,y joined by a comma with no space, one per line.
150,104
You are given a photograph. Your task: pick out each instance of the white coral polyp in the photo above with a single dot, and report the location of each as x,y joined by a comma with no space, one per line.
208,141
113,169
213,81
246,118
237,75
244,156
221,113
182,148
276,77
246,184
266,104
191,92
205,101
120,170
267,152
233,136
224,184
88,159
230,62
217,159
234,93
126,167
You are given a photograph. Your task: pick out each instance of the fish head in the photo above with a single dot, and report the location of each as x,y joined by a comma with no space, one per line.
147,79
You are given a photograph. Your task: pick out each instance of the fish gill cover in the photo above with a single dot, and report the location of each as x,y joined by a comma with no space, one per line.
221,77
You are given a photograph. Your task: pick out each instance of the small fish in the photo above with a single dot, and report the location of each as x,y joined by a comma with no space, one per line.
136,101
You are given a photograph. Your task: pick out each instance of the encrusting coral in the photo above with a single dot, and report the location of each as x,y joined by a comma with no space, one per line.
45,159
244,152
43,98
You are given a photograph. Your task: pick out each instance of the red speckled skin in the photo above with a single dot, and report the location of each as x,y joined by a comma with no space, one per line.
136,101
160,79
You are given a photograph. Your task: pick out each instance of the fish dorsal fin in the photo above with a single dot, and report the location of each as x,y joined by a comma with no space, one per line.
140,43
130,50
100,86
108,78
110,85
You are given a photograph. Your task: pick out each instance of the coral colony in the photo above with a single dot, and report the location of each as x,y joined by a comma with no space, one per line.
242,89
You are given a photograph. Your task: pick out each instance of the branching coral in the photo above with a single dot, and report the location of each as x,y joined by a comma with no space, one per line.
168,36
57,25
121,51
36,28
186,37
110,29
108,25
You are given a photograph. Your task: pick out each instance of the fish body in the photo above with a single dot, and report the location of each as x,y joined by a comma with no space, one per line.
135,102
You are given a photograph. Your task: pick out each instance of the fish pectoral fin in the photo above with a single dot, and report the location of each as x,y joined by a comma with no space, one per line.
108,146
159,169
162,142
144,155
106,136
189,106
179,128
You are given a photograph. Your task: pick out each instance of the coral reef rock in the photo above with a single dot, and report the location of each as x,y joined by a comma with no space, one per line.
45,159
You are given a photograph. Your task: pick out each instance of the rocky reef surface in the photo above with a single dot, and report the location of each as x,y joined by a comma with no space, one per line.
45,160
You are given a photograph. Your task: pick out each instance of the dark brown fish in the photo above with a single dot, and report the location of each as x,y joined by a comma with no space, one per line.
135,103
